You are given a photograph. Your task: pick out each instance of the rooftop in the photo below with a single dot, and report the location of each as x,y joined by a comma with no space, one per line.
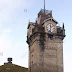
46,11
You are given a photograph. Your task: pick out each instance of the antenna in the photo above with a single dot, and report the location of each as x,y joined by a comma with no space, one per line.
44,6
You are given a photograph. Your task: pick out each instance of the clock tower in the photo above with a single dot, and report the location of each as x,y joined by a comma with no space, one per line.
45,40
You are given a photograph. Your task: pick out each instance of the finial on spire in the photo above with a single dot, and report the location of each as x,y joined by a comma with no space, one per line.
44,6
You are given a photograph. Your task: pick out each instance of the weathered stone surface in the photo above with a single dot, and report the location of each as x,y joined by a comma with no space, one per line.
45,54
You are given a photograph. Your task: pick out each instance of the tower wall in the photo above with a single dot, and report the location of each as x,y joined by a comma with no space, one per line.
45,54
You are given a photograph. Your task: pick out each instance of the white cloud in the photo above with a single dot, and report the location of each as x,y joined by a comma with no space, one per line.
68,62
8,7
9,3
5,12
7,30
4,45
4,42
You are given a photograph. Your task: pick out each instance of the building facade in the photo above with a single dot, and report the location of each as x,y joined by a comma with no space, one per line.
10,67
45,40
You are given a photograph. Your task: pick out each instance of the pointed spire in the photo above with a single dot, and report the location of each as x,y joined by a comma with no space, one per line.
63,25
51,15
63,30
44,6
36,22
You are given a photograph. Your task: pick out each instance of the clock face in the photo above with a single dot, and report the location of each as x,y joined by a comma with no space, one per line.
50,27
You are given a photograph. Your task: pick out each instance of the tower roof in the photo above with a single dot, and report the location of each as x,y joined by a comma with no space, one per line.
46,12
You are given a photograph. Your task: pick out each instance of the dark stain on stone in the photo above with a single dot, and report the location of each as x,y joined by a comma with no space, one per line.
42,39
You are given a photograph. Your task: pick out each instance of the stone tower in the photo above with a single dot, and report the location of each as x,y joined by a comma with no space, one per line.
45,40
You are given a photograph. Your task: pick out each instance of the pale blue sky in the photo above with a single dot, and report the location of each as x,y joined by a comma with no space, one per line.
14,22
